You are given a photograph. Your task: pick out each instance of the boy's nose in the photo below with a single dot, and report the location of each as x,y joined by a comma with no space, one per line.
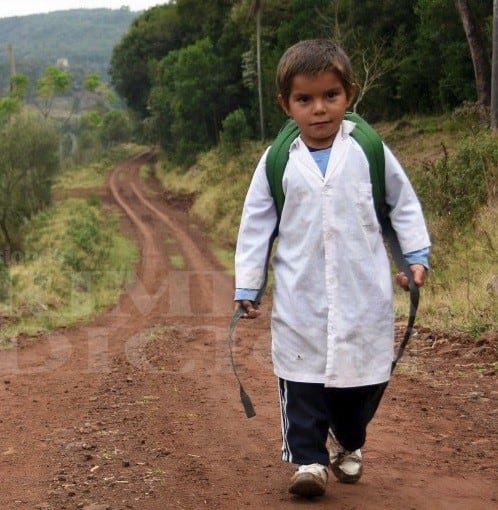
318,106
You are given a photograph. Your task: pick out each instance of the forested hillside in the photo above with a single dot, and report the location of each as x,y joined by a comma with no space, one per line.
187,67
85,37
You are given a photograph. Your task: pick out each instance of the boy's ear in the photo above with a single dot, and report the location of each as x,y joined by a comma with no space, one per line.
352,94
283,104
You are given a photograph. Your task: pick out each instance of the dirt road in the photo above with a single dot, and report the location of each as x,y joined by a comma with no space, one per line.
139,409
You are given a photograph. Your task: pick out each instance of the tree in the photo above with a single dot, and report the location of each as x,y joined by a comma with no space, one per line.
151,36
482,69
93,95
54,82
9,105
374,65
436,73
116,128
28,162
187,102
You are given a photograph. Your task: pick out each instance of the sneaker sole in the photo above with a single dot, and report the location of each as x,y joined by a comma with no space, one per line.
307,486
344,477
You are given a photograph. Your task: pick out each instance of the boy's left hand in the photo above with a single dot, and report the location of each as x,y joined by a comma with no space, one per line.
419,273
251,309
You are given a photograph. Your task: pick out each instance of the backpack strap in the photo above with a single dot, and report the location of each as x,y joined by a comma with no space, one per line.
372,146
276,161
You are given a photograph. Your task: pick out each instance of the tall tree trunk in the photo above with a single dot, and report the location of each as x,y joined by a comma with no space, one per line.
257,8
482,70
494,71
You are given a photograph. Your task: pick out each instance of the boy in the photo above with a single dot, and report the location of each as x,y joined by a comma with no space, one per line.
332,316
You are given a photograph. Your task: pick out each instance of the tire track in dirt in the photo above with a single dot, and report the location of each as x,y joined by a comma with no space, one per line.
49,380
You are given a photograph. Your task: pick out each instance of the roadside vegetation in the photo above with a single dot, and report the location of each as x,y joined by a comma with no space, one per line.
74,263
453,164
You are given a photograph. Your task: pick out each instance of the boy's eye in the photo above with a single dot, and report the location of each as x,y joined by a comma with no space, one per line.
302,99
331,94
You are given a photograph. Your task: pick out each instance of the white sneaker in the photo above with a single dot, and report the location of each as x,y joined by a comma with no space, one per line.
309,480
347,466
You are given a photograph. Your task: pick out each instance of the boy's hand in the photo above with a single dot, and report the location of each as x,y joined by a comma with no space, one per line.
251,309
418,271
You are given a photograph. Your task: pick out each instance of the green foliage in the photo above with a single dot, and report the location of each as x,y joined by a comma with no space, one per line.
436,73
4,280
151,36
85,37
116,128
91,82
188,99
411,63
66,274
455,187
88,242
19,84
235,130
12,104
8,106
28,162
54,82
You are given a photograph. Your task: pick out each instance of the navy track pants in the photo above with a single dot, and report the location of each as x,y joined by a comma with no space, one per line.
308,410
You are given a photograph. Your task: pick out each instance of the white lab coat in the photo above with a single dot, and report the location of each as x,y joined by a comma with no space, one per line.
332,316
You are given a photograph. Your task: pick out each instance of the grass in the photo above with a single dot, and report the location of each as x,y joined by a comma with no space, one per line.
75,264
95,174
459,292
177,261
89,177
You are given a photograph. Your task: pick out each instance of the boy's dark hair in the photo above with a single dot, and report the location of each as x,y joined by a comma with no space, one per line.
311,57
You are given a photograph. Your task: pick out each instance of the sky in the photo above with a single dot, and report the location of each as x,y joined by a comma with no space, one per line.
24,7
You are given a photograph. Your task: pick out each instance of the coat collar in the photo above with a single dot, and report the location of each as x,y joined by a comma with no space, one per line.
344,131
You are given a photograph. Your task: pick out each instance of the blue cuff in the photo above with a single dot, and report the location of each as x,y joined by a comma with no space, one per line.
418,257
246,294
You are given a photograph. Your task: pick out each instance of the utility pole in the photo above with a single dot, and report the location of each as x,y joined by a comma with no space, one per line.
256,8
494,71
12,64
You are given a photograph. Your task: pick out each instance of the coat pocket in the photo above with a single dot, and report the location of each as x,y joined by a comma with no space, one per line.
365,207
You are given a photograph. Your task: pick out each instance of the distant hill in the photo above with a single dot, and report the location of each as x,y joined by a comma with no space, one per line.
82,38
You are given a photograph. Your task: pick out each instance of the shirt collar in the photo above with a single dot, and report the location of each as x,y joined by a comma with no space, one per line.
344,131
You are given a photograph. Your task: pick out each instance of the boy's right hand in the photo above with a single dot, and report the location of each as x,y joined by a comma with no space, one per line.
419,274
251,310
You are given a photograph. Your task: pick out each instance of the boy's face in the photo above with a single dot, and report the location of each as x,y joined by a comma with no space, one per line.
317,104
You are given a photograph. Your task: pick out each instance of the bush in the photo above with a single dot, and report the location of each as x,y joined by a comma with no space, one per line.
88,245
28,164
456,187
4,281
235,130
